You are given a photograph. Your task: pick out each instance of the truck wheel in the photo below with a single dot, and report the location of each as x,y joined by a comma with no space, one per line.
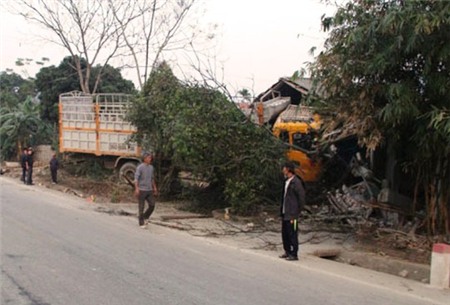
127,171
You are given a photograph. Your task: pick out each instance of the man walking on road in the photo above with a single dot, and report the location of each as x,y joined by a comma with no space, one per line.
145,189
293,201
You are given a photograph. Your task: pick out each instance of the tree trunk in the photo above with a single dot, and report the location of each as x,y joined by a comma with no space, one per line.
437,197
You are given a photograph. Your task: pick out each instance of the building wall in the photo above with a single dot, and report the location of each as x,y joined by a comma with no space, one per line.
43,154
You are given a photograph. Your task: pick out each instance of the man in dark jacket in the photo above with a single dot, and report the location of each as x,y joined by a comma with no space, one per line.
54,165
293,200
23,162
30,166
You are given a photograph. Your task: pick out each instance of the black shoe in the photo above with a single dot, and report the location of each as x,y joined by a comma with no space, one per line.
292,258
284,255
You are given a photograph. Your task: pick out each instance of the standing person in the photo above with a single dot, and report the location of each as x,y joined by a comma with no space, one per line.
292,202
23,162
30,166
145,188
54,165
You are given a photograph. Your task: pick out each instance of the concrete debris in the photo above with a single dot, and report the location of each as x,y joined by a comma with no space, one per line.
351,203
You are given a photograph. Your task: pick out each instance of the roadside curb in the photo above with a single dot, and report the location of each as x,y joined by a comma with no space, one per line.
389,265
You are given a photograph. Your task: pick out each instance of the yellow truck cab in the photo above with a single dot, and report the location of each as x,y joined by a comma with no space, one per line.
298,126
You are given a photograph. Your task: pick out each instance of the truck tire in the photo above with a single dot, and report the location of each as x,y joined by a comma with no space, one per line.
128,169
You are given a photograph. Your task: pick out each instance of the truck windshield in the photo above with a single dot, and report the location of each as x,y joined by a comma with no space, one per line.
284,136
302,140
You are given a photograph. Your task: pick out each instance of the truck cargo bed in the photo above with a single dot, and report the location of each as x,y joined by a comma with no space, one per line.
96,124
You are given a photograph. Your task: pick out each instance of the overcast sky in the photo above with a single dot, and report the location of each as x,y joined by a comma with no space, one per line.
258,41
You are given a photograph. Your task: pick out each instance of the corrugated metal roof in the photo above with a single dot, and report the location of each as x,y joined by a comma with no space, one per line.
302,85
297,113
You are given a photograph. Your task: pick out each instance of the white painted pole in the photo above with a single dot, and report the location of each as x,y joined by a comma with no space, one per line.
440,266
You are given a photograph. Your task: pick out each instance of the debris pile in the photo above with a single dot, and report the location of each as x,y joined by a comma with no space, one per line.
351,204
365,203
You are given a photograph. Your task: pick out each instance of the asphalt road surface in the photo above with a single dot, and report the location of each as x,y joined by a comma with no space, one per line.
56,250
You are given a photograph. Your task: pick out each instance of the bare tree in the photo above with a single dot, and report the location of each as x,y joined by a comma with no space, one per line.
152,28
139,33
210,70
87,29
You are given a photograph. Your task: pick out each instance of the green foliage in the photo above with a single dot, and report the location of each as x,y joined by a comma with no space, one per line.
214,141
111,80
23,62
153,113
386,74
14,89
21,127
245,94
52,81
202,132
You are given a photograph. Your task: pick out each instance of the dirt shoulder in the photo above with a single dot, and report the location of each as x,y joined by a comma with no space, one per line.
384,251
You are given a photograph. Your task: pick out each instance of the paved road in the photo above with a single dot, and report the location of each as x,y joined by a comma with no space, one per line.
56,250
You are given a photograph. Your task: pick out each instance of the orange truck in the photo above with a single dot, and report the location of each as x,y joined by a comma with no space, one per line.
298,127
95,125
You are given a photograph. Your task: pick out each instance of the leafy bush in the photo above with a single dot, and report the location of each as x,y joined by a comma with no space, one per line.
200,131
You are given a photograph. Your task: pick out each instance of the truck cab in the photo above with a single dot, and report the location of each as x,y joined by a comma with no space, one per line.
298,128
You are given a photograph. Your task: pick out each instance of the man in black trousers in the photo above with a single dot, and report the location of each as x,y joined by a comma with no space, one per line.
30,166
23,162
54,165
293,200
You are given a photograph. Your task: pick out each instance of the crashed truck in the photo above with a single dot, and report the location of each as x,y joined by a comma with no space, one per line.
297,126
95,125
359,192
282,109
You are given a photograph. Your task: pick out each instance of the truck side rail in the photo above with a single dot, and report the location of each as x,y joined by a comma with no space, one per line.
95,124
